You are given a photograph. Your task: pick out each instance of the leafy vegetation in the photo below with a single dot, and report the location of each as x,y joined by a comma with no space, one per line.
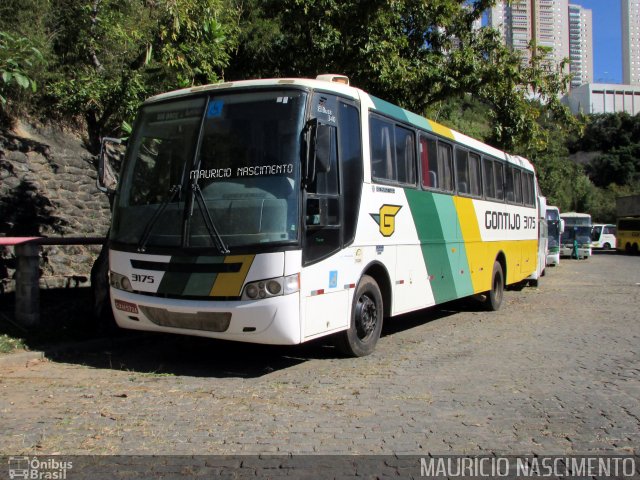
17,59
103,57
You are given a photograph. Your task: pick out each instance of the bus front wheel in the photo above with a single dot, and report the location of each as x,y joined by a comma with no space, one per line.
366,320
494,296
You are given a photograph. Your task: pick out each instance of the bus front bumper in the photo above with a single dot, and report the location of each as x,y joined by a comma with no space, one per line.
274,320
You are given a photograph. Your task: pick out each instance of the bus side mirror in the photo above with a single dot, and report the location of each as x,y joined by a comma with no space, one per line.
561,225
111,155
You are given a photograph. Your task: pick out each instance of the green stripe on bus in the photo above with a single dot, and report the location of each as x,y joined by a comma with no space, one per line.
174,283
200,284
443,249
394,111
426,207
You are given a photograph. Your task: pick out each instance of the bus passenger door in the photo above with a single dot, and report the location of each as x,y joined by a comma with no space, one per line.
325,298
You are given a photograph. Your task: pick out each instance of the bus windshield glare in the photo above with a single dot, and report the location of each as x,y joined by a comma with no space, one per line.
231,160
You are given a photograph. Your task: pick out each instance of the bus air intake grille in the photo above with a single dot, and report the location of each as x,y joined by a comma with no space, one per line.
206,321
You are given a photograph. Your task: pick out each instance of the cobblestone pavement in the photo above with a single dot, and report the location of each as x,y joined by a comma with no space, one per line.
556,371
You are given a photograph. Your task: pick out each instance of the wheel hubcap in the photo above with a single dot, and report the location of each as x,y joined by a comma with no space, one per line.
366,316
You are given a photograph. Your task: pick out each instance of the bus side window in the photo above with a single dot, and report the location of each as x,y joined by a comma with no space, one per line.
405,155
475,185
462,171
517,185
429,161
499,176
509,184
489,179
445,166
529,190
381,149
350,155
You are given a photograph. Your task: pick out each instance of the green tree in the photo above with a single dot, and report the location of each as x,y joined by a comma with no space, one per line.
414,53
18,59
113,53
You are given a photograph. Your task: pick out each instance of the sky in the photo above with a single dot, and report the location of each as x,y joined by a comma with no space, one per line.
607,39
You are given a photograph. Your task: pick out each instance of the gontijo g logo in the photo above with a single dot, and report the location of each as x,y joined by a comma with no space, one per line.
386,219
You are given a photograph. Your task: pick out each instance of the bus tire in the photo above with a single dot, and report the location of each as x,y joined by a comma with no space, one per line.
494,296
366,320
606,246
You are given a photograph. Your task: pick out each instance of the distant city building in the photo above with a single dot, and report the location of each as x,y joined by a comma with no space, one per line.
631,42
565,29
603,98
580,45
544,21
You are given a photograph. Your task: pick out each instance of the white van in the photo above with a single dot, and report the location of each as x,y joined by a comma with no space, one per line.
603,236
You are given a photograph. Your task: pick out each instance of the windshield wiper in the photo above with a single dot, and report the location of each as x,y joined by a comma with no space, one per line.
208,221
173,192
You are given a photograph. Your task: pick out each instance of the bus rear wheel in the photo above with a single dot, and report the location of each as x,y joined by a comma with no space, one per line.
493,298
366,320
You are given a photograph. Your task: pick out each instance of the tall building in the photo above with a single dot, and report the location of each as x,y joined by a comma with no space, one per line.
543,22
631,42
580,45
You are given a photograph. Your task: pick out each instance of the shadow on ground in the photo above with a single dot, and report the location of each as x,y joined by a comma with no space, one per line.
71,334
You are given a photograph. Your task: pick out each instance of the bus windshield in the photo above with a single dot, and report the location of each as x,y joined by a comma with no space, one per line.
230,160
582,234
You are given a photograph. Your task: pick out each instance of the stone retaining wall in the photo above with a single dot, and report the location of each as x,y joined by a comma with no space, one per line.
48,188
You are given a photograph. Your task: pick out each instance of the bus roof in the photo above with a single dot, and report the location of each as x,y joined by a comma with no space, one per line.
575,215
368,101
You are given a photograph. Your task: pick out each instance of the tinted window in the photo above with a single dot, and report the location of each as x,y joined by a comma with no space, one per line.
327,182
350,154
462,171
509,184
432,167
392,152
445,166
405,155
475,186
489,180
429,162
498,170
381,149
517,185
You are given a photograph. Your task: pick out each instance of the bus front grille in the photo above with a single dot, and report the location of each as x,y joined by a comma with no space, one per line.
206,321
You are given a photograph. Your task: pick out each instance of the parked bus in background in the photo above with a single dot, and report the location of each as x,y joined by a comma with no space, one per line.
279,211
576,235
628,230
555,227
603,236
628,235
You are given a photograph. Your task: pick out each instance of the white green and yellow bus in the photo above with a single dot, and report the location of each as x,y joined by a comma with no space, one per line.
555,227
279,211
576,235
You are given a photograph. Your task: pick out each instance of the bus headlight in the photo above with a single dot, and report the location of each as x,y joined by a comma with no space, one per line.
272,287
120,282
